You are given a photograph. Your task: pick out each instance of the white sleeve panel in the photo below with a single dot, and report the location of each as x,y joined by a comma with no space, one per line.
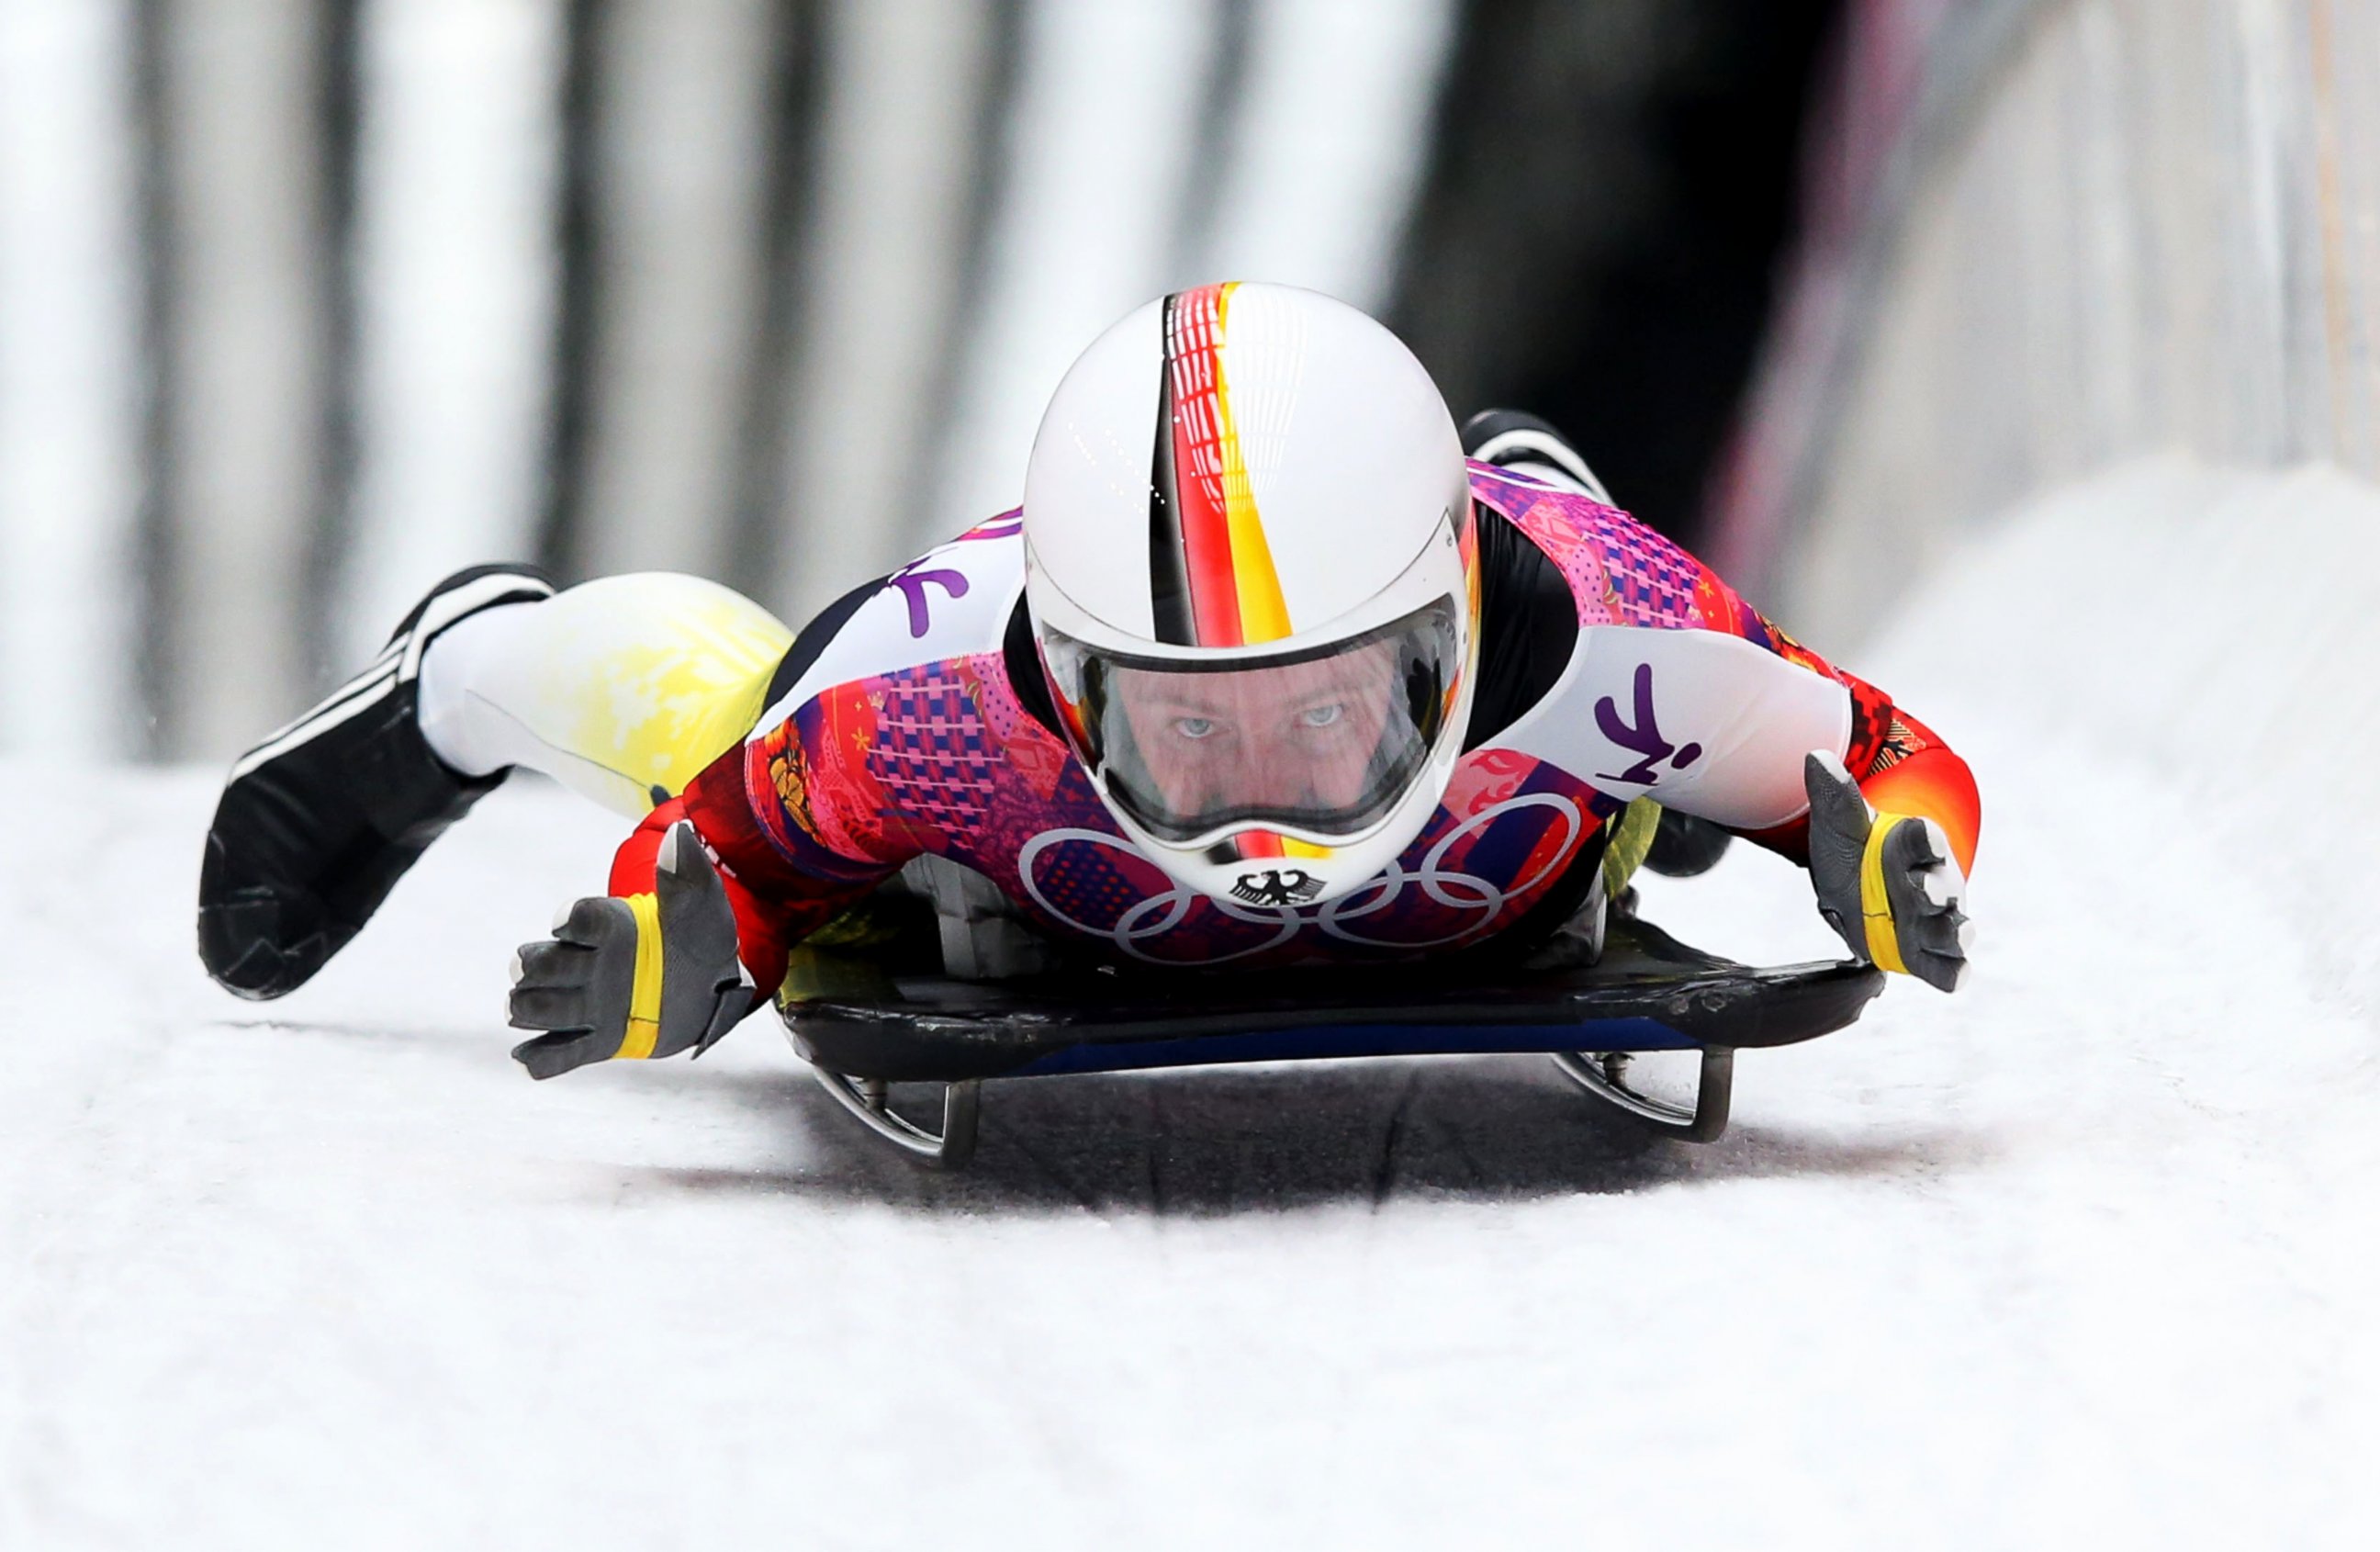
952,601
1705,723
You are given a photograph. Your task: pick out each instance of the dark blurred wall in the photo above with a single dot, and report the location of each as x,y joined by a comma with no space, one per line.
338,296
1610,192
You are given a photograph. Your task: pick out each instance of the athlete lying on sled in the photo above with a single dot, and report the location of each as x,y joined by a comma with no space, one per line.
1264,673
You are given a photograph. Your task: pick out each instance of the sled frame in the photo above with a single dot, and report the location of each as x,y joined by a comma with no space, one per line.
1604,1076
864,1029
870,1101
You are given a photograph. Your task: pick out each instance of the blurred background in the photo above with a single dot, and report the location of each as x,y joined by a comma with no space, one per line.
2021,354
303,305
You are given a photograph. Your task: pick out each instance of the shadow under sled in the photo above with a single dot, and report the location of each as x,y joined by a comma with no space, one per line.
863,1028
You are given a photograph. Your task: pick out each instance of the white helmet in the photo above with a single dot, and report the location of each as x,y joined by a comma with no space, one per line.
1254,582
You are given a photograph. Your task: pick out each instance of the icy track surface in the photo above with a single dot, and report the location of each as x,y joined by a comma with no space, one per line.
2081,1256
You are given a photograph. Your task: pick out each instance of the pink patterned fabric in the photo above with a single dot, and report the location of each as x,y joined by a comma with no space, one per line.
943,758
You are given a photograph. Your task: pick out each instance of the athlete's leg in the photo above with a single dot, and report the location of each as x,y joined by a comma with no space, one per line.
1510,439
621,689
318,822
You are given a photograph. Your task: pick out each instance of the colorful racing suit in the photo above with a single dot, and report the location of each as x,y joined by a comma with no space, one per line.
911,719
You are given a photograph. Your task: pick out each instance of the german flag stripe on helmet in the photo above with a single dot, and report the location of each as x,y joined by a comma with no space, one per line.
1211,577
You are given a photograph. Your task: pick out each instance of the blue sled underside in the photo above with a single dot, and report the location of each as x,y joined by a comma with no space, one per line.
1325,1041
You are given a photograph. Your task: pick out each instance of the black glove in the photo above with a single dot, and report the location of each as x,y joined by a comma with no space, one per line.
649,975
1886,882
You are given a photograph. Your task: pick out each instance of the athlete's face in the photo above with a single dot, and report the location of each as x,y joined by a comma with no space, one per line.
1300,735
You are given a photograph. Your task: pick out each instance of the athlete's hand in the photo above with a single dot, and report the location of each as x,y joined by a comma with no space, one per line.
650,974
1886,882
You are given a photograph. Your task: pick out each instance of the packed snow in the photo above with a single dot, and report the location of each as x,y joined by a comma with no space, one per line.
2081,1254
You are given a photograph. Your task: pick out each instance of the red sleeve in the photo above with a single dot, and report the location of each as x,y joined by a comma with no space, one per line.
776,907
1901,765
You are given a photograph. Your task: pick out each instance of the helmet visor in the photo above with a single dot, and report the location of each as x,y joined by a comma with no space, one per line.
1324,741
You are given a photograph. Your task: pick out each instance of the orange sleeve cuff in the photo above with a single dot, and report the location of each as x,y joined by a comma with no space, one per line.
1934,784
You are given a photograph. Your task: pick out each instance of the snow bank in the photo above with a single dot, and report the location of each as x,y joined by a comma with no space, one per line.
2216,630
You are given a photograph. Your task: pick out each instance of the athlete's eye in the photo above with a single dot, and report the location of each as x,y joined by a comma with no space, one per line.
1193,727
1321,716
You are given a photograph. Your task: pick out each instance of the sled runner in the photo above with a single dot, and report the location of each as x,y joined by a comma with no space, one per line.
863,1028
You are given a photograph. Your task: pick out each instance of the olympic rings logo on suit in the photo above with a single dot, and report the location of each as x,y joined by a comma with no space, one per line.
1158,914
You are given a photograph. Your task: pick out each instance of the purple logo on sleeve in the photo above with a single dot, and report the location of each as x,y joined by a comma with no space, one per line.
1642,738
911,580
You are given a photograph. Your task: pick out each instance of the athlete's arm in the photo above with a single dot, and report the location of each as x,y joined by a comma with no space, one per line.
776,906
1684,693
1900,765
704,907
1890,835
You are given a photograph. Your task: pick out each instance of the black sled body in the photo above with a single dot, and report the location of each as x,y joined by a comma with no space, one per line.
1646,992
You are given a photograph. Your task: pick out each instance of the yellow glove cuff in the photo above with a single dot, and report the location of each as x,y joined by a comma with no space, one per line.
645,992
1876,906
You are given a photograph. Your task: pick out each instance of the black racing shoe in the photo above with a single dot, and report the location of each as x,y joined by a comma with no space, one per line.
318,822
1525,444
